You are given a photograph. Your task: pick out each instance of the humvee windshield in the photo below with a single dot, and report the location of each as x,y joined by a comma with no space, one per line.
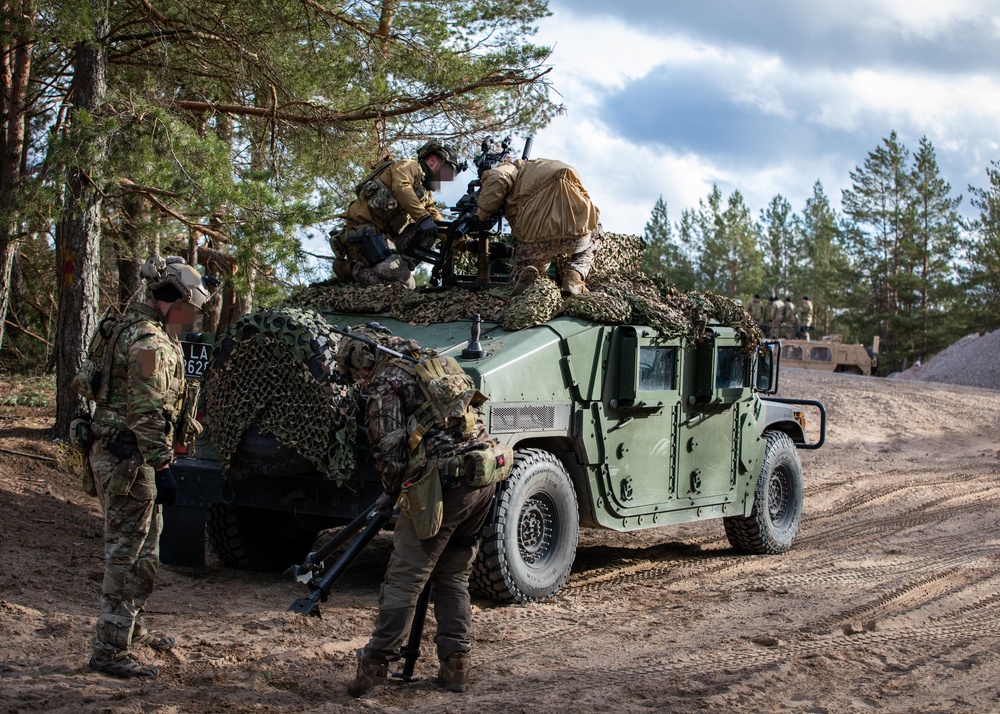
656,368
732,368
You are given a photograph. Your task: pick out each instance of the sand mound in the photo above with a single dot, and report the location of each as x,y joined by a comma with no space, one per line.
972,362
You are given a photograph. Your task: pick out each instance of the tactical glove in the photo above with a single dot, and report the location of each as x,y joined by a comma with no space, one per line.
427,229
166,486
386,504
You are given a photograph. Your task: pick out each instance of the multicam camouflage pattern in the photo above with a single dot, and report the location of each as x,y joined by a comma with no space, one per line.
276,370
394,397
146,381
131,548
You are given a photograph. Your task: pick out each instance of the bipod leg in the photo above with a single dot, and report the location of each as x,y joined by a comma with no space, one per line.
411,650
321,587
303,572
483,263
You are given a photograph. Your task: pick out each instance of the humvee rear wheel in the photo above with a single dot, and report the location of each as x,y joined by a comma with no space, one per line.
777,509
259,539
529,542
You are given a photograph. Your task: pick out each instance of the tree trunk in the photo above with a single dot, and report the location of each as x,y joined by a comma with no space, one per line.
15,67
78,235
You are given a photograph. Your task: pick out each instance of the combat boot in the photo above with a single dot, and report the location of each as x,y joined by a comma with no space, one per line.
573,283
524,280
454,672
125,667
371,673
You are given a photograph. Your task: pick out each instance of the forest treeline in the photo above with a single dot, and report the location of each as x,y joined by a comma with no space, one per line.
897,260
216,130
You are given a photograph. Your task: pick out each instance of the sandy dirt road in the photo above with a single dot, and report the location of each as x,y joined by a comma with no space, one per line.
889,600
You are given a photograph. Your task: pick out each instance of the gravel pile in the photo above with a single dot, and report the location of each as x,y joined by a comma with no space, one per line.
972,362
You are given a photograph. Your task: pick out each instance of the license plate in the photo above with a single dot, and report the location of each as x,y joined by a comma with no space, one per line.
196,356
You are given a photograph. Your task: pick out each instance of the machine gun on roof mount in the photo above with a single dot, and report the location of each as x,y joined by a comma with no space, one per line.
465,224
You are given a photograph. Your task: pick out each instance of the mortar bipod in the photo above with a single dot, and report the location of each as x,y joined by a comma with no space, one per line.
371,522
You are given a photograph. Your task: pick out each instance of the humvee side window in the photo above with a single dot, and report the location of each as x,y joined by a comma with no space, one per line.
656,368
821,354
792,352
732,368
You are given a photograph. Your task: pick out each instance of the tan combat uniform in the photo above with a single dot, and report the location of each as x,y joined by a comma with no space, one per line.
805,318
788,318
549,211
134,434
756,310
390,203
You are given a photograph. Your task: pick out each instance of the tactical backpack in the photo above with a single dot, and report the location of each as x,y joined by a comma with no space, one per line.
452,402
93,379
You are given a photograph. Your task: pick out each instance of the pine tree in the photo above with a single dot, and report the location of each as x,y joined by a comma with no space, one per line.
778,246
664,254
982,276
826,266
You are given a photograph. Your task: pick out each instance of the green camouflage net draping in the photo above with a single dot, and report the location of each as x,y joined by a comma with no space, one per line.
620,293
276,370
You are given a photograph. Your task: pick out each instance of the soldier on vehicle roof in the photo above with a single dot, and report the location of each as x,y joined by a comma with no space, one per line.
404,442
788,318
394,206
134,428
550,215
805,318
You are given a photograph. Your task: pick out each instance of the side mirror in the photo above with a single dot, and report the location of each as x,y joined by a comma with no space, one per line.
766,369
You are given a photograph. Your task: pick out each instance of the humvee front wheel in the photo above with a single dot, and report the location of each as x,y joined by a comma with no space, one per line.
777,508
529,542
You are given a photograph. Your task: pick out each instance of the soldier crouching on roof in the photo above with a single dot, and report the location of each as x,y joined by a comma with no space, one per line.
406,438
550,215
134,431
394,206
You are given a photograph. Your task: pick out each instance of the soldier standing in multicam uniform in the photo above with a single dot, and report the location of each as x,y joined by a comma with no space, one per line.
756,310
550,215
445,559
394,206
788,317
772,317
805,318
130,459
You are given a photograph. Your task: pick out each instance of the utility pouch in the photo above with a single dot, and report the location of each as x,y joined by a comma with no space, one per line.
421,501
490,465
123,474
374,247
87,382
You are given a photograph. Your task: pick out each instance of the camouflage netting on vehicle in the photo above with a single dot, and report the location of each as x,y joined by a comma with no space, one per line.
620,293
276,370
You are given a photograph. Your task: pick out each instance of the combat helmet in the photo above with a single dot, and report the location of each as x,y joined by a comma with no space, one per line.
357,358
174,272
445,151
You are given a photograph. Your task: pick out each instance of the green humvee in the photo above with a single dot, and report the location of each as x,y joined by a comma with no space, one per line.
613,427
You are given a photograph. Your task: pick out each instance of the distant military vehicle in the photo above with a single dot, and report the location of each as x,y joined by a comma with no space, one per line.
830,355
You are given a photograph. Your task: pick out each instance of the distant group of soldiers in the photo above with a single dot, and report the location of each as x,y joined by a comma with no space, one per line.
781,319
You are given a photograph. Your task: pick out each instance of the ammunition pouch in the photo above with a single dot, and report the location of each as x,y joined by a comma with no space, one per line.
87,382
374,246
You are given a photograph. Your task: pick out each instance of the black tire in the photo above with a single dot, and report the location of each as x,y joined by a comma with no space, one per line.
260,540
529,542
264,454
777,509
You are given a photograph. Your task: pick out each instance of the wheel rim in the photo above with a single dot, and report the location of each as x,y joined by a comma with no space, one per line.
536,529
778,497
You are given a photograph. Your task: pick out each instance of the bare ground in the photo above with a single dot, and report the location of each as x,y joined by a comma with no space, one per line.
888,601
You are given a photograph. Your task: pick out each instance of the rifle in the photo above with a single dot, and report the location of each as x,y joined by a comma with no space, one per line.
411,650
466,223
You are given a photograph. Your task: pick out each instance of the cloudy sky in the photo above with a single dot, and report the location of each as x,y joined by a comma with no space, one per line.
766,97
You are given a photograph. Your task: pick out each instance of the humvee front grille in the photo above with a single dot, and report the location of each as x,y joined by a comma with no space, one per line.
529,417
